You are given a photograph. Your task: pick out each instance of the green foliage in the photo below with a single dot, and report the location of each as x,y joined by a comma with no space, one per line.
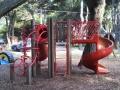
2,27
1,0
25,11
62,6
28,26
3,32
107,19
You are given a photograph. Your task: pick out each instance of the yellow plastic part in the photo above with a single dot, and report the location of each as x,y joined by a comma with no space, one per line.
3,56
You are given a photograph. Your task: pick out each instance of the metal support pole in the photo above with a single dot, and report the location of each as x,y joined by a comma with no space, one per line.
33,51
69,47
29,75
50,48
12,74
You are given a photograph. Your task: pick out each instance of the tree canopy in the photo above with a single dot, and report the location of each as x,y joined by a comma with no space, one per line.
57,9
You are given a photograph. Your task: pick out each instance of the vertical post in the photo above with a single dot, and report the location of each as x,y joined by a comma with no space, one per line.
50,48
69,47
57,31
33,46
38,65
29,75
12,74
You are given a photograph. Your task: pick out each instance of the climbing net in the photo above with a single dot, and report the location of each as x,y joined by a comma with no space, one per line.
84,30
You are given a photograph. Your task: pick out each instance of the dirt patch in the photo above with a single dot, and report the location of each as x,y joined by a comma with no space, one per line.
80,79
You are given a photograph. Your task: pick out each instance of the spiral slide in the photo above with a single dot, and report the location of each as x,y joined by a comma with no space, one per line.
105,47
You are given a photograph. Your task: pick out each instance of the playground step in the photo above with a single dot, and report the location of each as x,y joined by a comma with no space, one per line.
61,66
61,69
65,73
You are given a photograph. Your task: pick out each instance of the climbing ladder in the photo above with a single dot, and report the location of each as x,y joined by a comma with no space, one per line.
67,33
61,39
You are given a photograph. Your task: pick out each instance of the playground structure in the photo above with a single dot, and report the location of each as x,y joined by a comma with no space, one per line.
74,32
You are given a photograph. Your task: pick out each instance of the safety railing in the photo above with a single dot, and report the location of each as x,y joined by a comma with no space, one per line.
84,32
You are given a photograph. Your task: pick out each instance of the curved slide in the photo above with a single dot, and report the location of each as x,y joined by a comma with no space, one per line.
105,47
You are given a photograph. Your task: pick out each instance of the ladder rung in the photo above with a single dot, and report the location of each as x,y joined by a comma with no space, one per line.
61,66
61,50
61,59
61,73
60,43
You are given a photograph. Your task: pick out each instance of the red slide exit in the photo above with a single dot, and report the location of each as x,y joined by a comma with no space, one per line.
105,47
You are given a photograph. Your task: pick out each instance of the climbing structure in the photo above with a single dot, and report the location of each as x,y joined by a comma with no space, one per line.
40,36
73,32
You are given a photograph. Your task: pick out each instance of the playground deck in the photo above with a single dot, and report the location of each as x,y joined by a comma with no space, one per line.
80,79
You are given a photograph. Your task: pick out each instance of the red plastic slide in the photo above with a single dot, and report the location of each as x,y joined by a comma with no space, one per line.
43,50
105,47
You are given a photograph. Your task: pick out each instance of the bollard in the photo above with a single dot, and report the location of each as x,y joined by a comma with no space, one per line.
29,75
12,74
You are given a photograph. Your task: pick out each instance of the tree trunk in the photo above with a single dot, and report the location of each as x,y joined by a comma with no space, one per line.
8,5
87,13
96,9
116,20
12,16
40,15
81,19
7,32
81,10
